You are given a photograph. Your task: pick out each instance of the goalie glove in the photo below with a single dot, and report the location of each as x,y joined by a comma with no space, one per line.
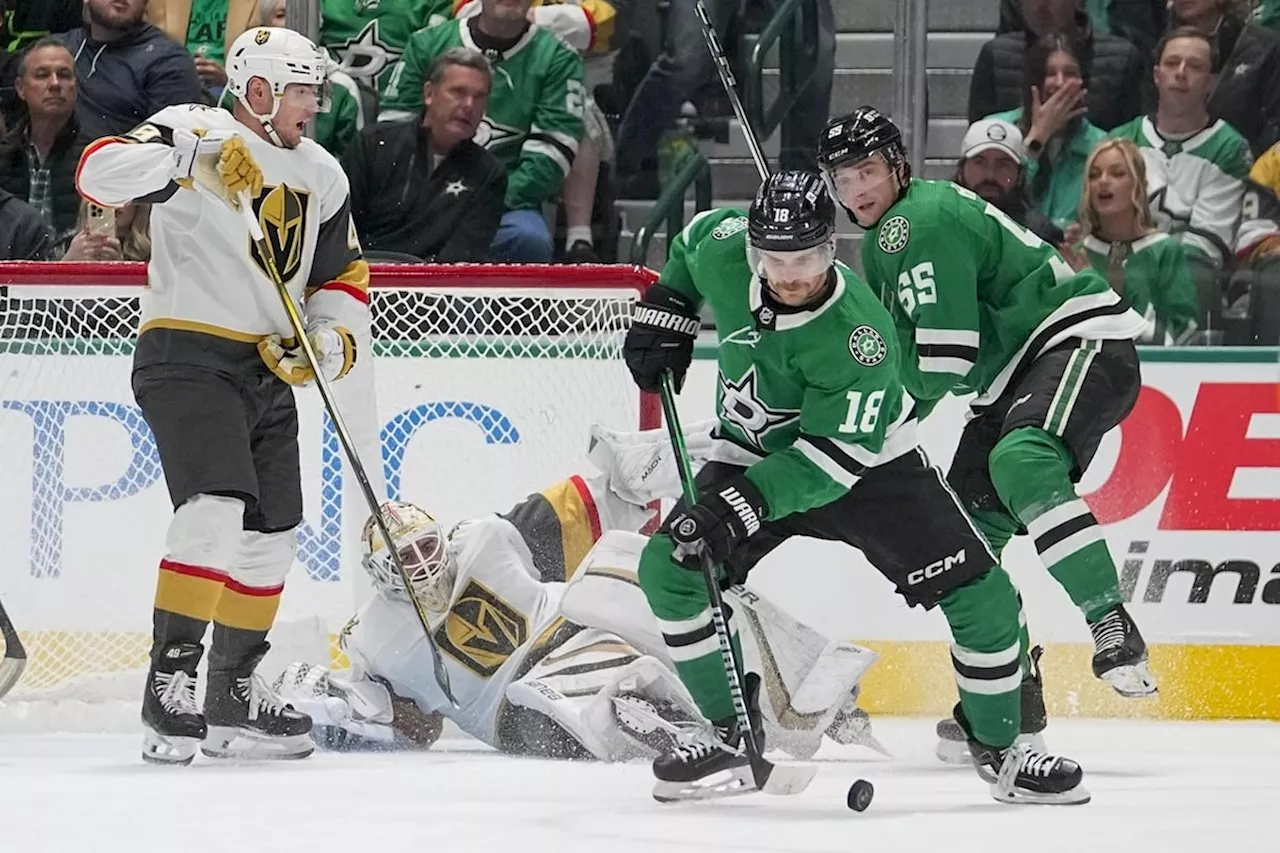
217,161
334,346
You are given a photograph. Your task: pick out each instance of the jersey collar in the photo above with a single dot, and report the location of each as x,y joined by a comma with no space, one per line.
779,321
464,33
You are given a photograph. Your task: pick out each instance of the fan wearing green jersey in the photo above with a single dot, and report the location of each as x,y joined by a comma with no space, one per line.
367,37
815,437
982,305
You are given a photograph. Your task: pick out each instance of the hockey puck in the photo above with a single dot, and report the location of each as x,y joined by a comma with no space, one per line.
860,794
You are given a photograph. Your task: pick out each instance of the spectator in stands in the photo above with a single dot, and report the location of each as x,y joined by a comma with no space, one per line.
991,165
126,69
1195,164
1246,63
678,73
533,122
1055,132
113,234
336,126
21,24
206,28
1139,22
39,154
23,234
1115,235
424,187
1112,66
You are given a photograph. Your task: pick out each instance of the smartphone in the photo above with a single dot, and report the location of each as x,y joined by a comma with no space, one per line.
101,220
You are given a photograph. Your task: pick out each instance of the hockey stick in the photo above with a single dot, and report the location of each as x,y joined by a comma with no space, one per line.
344,438
15,656
769,777
731,88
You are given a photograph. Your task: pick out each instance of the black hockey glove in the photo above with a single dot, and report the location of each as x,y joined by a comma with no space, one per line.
663,329
721,520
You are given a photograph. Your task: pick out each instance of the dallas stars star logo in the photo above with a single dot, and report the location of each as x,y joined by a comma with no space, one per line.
492,135
366,55
455,188
741,406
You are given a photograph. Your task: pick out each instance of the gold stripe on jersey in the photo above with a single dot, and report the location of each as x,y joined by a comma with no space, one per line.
354,279
579,520
177,325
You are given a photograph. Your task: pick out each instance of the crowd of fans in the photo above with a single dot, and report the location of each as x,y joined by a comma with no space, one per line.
1138,136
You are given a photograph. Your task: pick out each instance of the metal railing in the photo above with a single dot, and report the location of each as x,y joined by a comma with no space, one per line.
794,28
670,205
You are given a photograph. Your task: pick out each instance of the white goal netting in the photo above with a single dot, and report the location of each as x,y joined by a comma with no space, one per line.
481,389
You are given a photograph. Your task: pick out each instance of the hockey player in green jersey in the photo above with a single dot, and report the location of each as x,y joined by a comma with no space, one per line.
982,305
816,438
367,37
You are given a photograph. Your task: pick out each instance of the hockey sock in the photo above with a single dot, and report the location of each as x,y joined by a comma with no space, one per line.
988,655
1031,470
241,621
678,598
185,600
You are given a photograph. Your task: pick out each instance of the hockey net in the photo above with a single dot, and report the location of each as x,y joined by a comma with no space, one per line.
482,386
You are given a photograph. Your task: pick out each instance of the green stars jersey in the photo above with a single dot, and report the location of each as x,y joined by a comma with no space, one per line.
976,297
1196,185
808,399
534,119
1157,283
367,37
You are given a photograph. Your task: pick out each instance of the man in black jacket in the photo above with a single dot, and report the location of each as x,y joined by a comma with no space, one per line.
39,154
424,187
21,23
23,235
1114,67
128,70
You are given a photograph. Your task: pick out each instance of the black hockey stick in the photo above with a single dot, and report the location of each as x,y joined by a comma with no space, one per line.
15,656
731,88
769,777
344,438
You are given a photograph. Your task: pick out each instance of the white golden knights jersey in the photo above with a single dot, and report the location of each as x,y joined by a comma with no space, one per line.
504,615
205,275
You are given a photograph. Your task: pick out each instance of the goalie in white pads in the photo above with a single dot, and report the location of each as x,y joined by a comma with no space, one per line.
213,370
551,649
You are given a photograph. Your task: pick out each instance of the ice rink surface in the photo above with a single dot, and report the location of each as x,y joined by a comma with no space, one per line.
1157,788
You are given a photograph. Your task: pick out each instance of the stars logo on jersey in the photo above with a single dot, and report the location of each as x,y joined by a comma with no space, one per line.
741,406
282,213
867,346
492,135
366,55
729,227
455,188
894,235
481,630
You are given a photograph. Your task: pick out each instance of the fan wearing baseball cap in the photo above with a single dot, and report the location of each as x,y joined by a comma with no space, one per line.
990,165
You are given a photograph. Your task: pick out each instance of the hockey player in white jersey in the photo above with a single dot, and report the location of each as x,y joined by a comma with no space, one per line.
213,372
551,649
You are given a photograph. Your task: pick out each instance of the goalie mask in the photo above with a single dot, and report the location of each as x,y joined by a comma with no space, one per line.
423,548
791,228
281,57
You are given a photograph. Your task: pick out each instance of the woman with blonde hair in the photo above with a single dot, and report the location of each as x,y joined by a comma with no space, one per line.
113,234
1115,234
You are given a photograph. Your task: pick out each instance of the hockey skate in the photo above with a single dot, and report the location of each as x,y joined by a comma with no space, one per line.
248,720
1120,655
953,743
1022,774
712,761
172,720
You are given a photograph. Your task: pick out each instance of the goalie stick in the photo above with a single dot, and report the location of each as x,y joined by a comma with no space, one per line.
769,777
15,656
344,438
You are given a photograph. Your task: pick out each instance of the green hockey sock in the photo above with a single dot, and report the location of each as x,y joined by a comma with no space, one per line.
1031,470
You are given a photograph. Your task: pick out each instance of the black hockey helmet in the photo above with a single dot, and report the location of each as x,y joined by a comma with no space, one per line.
859,135
792,212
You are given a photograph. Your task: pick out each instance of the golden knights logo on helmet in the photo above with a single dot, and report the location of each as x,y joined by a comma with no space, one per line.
282,212
261,36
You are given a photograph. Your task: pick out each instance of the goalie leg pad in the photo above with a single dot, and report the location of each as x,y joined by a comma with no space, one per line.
575,686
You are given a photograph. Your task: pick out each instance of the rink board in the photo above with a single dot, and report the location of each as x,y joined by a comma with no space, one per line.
1189,490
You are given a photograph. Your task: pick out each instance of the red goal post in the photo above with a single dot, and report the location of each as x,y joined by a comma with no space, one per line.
482,386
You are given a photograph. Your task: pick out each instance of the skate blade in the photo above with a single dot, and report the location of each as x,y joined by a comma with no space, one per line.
1077,796
164,750
953,752
727,783
1132,682
229,742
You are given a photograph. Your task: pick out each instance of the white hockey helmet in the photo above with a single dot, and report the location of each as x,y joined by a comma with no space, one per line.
423,548
279,56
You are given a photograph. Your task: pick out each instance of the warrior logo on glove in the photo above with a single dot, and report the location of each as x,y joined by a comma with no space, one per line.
282,213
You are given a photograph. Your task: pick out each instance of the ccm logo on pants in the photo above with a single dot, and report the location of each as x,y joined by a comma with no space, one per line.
932,570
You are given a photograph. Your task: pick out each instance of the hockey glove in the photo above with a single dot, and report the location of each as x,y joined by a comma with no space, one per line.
663,329
218,161
721,520
335,348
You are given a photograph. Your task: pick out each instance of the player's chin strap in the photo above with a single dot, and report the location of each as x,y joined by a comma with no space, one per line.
265,120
